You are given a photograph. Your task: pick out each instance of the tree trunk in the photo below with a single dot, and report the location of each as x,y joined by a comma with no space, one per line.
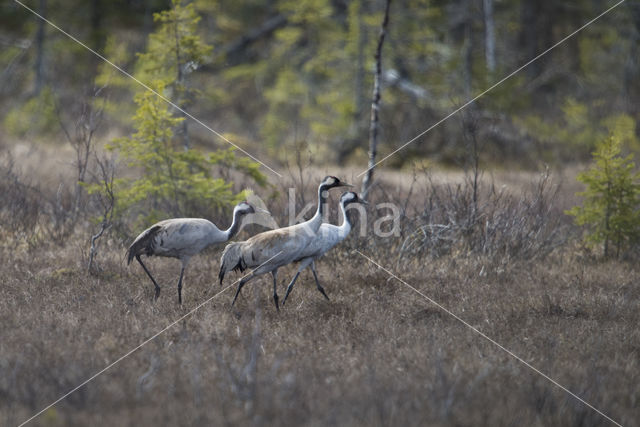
467,51
40,36
359,81
97,33
375,107
529,35
181,87
630,84
353,137
489,36
233,50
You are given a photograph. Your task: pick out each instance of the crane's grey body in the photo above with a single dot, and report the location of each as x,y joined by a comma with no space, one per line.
327,237
182,238
267,252
178,238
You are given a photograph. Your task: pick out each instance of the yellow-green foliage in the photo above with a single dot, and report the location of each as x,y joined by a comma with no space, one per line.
119,85
174,50
36,116
315,94
174,180
579,128
612,198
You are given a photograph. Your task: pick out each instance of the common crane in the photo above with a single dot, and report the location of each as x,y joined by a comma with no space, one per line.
268,251
183,238
327,237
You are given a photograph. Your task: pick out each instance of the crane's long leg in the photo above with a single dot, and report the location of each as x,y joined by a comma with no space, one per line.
243,281
303,264
150,276
274,273
290,287
315,276
180,286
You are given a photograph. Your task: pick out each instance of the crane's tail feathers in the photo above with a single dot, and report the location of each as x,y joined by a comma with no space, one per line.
231,259
130,255
133,250
143,244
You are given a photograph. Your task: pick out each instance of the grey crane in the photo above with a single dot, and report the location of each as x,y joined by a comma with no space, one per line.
327,237
183,238
268,251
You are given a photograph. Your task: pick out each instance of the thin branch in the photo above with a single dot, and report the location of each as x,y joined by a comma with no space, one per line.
375,107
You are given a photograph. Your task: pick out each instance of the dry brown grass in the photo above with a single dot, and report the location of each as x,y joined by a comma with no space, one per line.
376,354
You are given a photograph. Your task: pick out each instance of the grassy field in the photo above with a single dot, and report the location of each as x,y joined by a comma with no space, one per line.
377,353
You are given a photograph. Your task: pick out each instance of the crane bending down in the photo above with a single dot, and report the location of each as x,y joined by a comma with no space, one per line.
327,237
183,238
268,251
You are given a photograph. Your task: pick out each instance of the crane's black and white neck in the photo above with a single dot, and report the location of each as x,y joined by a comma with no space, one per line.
241,209
328,182
345,200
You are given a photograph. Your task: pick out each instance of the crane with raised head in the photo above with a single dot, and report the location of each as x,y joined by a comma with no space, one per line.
268,251
183,238
327,237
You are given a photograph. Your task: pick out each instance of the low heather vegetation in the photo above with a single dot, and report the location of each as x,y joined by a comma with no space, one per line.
501,254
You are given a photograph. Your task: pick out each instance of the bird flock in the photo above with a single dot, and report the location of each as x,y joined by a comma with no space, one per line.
266,252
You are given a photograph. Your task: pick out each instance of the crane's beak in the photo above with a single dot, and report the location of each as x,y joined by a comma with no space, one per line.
344,184
364,202
260,210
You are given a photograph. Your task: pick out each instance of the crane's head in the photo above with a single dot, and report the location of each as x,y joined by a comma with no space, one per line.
332,182
246,208
351,197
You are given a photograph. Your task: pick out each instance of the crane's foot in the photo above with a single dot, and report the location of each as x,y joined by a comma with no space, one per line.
290,288
275,300
285,297
321,289
237,293
155,298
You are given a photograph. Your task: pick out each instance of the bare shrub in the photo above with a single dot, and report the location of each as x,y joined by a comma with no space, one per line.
480,219
104,202
21,206
297,169
69,203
